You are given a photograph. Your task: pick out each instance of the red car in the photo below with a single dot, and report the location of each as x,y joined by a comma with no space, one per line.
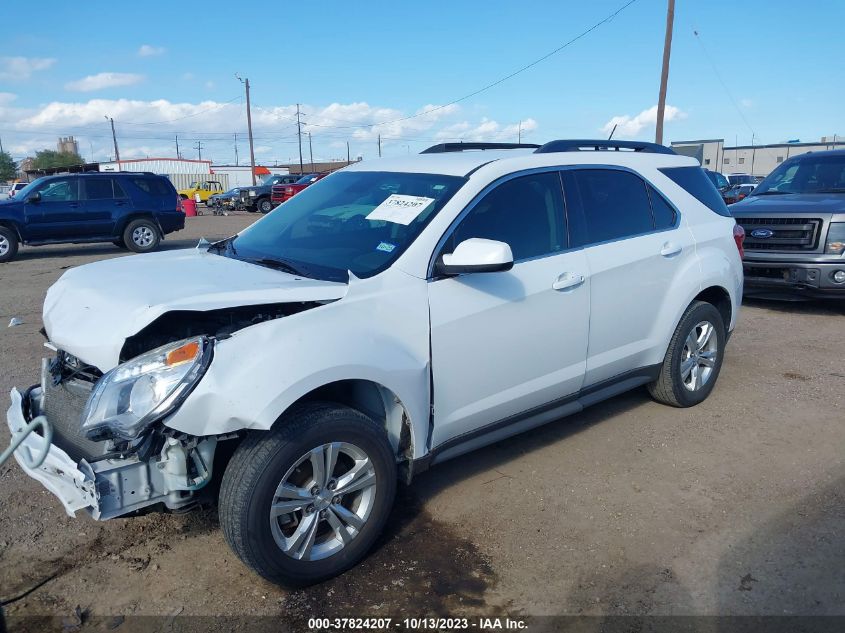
281,193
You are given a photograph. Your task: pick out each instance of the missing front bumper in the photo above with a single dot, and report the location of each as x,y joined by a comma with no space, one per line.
107,488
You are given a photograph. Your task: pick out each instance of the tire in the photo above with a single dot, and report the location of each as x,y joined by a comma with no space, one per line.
120,243
690,347
265,205
265,460
141,236
8,244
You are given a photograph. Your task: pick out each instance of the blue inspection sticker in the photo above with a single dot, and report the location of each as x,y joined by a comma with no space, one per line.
387,247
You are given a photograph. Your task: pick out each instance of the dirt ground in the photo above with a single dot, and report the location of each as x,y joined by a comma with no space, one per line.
736,506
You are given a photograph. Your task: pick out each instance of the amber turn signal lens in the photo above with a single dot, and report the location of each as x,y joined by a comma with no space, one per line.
187,352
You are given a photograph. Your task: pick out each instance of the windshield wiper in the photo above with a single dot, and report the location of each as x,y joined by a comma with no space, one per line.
278,264
227,244
772,193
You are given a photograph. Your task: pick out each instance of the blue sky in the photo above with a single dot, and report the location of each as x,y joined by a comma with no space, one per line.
162,69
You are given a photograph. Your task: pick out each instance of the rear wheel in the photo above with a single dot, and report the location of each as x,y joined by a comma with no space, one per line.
694,358
141,236
8,244
306,500
265,205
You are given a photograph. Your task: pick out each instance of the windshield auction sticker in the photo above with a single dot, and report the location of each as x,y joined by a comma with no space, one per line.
400,209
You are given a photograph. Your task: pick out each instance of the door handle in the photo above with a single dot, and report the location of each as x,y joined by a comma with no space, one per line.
119,203
670,249
568,280
73,205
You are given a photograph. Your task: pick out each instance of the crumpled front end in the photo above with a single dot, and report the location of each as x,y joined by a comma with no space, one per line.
108,478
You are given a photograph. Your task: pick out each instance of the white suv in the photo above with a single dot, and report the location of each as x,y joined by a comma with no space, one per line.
396,314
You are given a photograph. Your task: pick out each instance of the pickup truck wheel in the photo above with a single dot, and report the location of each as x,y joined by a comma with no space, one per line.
141,236
265,205
305,501
8,244
694,358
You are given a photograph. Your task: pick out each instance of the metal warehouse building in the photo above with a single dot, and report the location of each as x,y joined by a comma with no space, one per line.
757,160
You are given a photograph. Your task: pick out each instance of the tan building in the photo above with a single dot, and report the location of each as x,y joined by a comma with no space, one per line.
67,145
757,160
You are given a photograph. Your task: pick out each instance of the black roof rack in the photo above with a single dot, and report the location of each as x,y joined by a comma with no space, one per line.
460,147
579,145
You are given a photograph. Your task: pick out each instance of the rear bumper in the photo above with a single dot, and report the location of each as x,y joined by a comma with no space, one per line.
809,279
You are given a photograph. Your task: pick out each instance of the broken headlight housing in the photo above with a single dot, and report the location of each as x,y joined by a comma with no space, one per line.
140,391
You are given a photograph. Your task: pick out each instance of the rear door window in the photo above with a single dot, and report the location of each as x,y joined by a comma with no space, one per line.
605,205
664,213
98,188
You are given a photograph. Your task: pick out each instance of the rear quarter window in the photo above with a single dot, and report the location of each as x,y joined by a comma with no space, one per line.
154,186
695,182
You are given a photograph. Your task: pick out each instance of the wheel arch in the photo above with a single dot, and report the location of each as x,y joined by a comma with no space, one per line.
373,400
123,222
14,226
720,298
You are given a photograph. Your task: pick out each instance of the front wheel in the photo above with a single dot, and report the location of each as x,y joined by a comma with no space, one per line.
694,358
8,244
265,205
305,501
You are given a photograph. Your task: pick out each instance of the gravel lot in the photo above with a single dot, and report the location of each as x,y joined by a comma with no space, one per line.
734,507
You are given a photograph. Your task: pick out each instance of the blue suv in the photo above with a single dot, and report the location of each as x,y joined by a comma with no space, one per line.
132,210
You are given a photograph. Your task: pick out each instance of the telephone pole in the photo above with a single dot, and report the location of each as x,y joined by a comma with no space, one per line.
245,82
299,135
236,149
311,151
379,145
519,133
664,74
178,155
114,138
347,152
198,147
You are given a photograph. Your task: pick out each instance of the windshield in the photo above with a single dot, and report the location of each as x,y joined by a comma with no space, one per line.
328,230
740,179
270,180
306,179
808,174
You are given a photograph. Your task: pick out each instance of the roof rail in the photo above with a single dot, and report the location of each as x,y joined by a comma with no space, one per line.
460,147
578,145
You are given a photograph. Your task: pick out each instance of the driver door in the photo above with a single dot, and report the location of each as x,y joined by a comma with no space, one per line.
507,343
58,213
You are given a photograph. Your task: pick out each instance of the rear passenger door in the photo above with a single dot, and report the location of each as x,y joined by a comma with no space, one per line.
635,246
103,200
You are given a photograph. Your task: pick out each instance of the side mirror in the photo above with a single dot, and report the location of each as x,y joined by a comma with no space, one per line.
34,197
476,255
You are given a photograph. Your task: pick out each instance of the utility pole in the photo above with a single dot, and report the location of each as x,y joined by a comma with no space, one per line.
114,138
664,74
311,151
245,82
299,135
379,145
519,133
347,145
178,155
236,149
198,147
347,152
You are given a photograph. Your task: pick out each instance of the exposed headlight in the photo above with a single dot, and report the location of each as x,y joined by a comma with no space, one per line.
135,394
835,244
252,193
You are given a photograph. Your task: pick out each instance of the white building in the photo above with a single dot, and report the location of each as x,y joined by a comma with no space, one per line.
160,165
239,175
758,160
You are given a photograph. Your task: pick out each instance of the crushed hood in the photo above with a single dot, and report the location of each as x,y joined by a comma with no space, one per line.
91,310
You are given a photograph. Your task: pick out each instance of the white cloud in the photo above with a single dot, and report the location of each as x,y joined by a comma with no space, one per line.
487,130
630,127
7,97
746,103
148,128
23,67
103,80
148,50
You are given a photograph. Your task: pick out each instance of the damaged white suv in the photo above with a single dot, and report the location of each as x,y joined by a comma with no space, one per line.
396,314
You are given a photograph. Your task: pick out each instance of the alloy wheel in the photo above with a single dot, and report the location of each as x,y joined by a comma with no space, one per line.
698,357
143,236
4,245
323,501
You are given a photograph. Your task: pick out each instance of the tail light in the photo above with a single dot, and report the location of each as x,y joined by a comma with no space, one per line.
179,206
739,237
